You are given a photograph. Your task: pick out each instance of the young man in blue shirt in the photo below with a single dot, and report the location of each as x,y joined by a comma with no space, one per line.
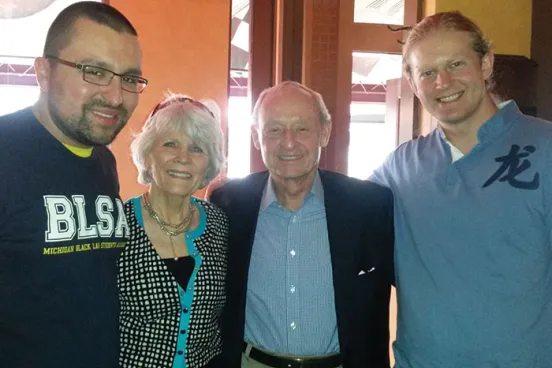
473,213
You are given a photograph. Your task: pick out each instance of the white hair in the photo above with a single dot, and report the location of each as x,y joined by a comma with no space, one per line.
183,117
323,113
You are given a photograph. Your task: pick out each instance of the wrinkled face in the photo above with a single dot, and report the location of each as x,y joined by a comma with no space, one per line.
177,165
289,133
88,114
448,76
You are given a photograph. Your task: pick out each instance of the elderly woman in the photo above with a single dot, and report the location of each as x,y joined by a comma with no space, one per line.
171,273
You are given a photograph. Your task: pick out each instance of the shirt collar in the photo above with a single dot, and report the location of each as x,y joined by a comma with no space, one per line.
507,114
269,196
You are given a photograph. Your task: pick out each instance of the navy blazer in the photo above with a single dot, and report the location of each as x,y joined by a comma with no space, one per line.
360,230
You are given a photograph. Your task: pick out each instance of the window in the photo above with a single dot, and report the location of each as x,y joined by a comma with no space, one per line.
239,103
239,136
379,11
15,98
371,140
371,136
23,26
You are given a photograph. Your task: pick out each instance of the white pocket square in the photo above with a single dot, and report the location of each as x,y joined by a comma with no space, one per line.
362,272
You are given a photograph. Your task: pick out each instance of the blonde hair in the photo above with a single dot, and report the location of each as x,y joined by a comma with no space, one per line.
446,21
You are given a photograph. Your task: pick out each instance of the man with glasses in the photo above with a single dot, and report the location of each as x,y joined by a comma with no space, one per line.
62,225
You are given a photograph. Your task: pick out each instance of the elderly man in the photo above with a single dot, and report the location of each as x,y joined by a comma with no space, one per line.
473,213
310,260
62,225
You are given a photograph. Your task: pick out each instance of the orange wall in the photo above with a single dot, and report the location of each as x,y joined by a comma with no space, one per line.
185,45
506,23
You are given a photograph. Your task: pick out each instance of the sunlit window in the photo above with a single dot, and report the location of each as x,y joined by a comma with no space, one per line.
239,102
239,136
13,98
379,11
23,29
371,139
24,24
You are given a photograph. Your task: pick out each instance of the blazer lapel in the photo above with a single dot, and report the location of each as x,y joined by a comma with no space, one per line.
344,247
248,214
338,213
340,221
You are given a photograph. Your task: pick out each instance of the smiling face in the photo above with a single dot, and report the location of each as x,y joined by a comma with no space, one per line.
448,77
87,114
289,133
177,165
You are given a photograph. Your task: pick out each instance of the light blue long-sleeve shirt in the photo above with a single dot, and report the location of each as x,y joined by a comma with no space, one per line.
290,306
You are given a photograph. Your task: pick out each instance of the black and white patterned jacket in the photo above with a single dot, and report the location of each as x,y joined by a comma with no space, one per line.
151,310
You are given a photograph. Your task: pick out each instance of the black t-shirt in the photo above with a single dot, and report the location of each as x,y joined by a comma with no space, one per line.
62,228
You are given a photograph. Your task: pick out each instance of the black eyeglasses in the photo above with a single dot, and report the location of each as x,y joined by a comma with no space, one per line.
103,77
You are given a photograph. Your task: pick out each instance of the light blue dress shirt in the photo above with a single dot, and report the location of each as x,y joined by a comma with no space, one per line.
290,307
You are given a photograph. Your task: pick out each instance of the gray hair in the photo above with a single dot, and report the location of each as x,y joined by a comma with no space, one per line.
323,113
180,114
